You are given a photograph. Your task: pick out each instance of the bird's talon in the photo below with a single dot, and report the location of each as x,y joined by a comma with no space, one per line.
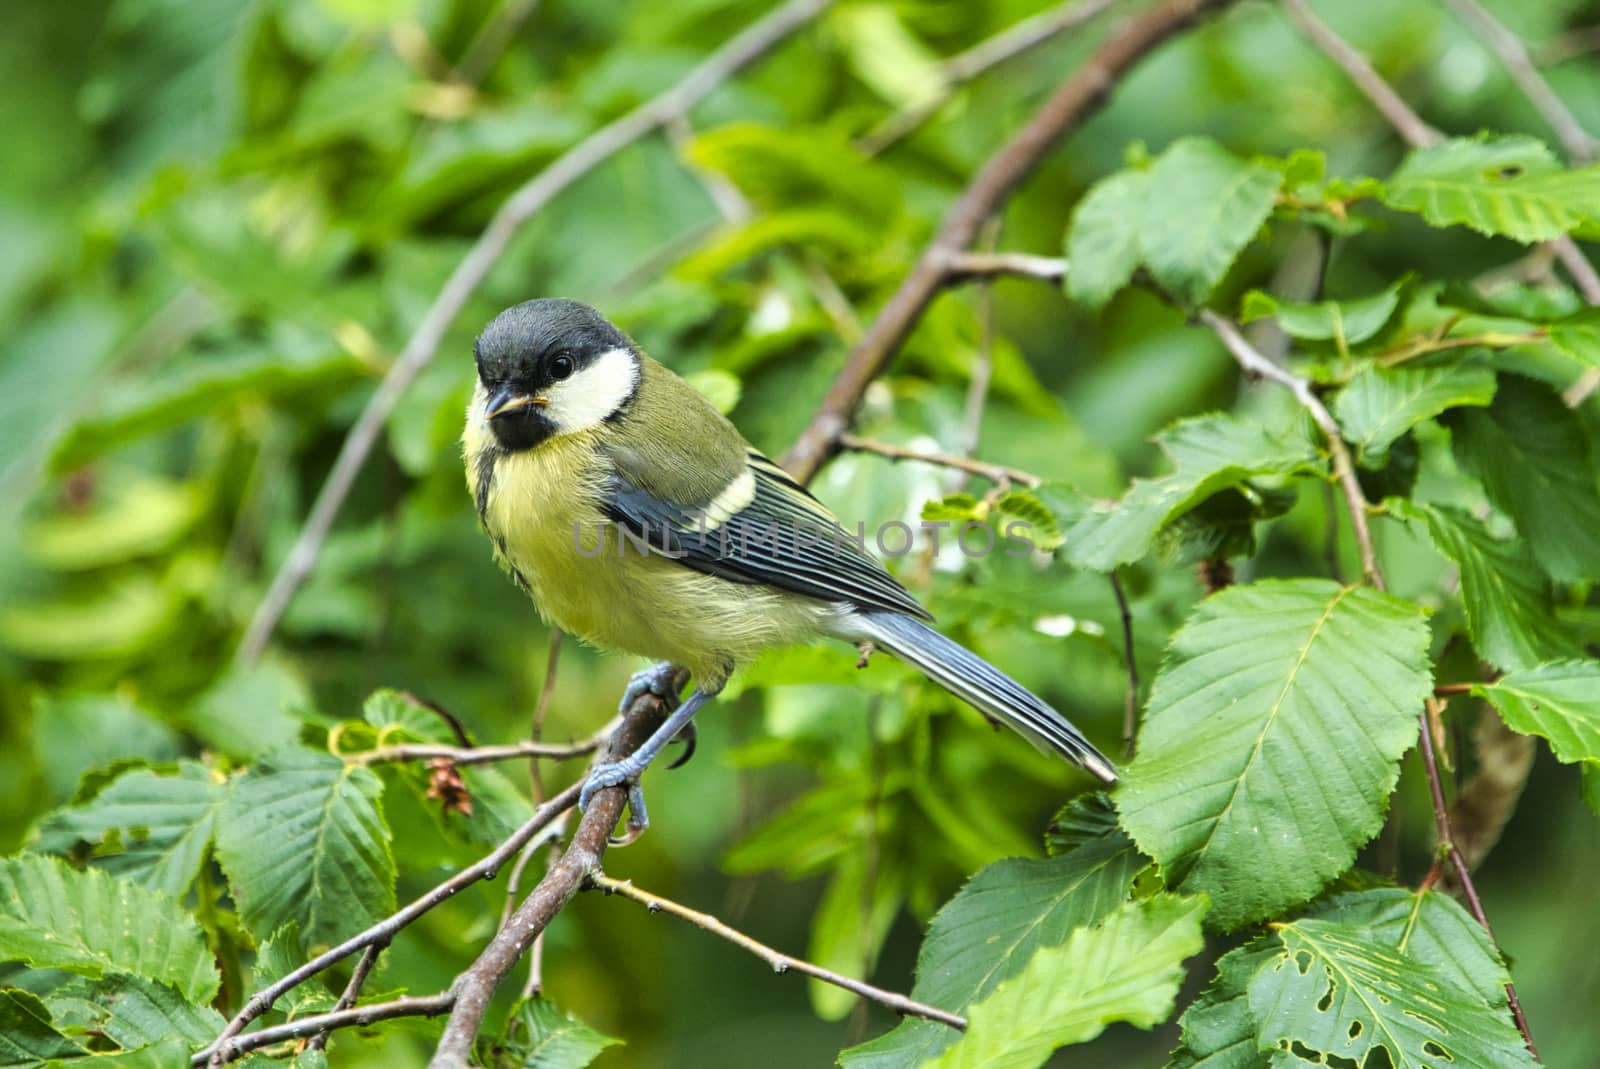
688,736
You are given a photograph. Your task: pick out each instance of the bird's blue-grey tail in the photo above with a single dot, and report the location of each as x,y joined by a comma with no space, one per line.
980,684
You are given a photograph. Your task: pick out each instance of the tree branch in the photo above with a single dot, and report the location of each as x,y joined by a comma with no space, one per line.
234,1047
1578,142
352,991
479,755
384,931
995,473
1082,93
972,265
474,987
779,961
755,41
958,70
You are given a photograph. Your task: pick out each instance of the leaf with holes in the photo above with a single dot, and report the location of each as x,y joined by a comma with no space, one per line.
1336,990
1210,454
1558,702
28,1035
53,916
1127,968
993,926
1535,459
1272,740
145,825
1210,205
1509,605
1103,238
1219,1031
1379,405
1502,186
303,839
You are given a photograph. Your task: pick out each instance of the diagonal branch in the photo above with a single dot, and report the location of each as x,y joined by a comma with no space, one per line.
779,961
1077,98
323,1023
754,42
995,473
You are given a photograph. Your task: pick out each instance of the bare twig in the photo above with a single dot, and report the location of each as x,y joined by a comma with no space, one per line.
1076,99
478,755
959,69
1130,701
352,991
739,52
995,473
476,986
384,931
779,961
992,264
1413,129
1257,365
226,1050
1580,145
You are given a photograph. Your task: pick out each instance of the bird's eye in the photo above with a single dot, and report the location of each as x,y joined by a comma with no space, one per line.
561,367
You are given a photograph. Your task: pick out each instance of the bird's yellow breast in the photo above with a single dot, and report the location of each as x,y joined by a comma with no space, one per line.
542,508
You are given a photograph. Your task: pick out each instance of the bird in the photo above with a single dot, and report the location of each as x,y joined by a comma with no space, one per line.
639,519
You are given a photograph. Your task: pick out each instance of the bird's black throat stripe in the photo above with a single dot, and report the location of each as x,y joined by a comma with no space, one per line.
488,457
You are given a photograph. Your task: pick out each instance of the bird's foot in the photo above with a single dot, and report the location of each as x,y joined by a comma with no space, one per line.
688,736
657,680
624,773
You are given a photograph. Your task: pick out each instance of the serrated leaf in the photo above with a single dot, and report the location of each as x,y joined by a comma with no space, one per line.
1269,688
159,825
1558,702
953,508
394,712
1219,1031
1378,405
540,1036
1579,336
1210,453
1345,323
1084,819
303,839
1509,605
1128,968
1334,989
991,929
55,917
28,1036
1502,186
1103,238
250,710
1205,206
1022,506
1534,457
137,1012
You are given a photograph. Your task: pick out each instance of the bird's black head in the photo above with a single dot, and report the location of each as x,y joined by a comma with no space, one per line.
552,367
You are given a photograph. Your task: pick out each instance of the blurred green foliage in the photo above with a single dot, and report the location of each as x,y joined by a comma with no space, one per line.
221,221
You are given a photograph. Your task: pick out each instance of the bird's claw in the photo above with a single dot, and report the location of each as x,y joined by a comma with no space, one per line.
688,737
656,680
618,774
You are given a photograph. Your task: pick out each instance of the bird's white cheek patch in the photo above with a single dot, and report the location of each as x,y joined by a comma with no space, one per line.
594,393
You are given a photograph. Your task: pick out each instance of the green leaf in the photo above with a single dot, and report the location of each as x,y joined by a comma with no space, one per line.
1205,205
992,928
1103,238
1219,1031
794,166
1534,457
1335,989
1345,323
1591,786
250,710
1210,453
1509,606
1379,405
55,917
1084,819
1023,507
1128,968
1267,688
1579,336
28,1036
1558,702
303,838
145,826
137,1012
1502,186
540,1036
396,713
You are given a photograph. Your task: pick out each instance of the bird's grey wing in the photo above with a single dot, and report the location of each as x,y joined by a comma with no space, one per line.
762,528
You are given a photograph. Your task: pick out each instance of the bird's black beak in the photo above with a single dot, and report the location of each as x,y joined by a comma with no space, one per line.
509,399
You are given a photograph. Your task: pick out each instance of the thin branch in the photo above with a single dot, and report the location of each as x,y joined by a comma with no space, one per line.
474,987
984,265
1130,701
1258,366
745,48
476,755
1414,130
226,1050
1008,44
352,991
977,399
1578,142
779,961
1077,98
384,931
995,473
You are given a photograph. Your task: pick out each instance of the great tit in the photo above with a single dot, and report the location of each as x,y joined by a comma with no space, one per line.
639,519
